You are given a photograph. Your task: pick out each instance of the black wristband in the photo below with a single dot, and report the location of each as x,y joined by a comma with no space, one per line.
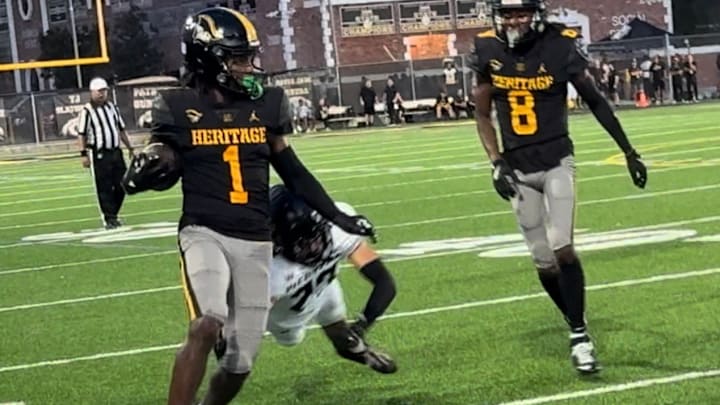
83,153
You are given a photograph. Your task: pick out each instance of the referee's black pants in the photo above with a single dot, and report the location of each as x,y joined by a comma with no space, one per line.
108,170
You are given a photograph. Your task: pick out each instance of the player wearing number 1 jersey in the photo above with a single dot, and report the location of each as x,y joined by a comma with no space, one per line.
224,130
304,286
524,66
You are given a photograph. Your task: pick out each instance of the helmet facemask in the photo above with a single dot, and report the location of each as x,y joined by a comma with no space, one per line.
240,72
518,25
305,240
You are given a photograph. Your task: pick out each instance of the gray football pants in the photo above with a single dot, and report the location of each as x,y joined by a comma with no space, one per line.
228,279
545,210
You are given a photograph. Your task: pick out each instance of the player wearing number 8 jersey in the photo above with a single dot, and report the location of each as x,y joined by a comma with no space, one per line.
225,129
304,286
524,66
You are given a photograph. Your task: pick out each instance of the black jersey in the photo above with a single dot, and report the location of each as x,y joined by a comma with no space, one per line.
225,155
530,94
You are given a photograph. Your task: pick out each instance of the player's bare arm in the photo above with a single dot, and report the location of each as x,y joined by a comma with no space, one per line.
367,261
485,128
504,179
606,117
299,179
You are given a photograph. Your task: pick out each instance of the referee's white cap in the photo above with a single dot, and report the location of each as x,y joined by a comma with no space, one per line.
98,83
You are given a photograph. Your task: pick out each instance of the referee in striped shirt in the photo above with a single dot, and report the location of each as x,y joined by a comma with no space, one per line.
101,128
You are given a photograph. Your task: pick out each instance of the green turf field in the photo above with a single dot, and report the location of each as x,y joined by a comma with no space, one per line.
93,317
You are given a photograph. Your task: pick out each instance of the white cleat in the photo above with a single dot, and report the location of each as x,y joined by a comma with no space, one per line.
582,353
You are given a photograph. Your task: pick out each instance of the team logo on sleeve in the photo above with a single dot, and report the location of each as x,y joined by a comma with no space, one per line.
495,64
193,115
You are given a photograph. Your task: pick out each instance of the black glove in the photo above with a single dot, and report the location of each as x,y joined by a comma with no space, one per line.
356,224
504,179
637,169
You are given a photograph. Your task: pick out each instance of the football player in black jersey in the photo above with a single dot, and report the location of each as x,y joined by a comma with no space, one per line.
225,128
524,66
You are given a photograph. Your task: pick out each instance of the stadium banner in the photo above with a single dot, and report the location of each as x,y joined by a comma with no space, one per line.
142,98
473,14
67,110
425,16
295,85
365,21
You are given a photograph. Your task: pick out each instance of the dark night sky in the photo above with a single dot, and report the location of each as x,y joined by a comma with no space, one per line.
696,16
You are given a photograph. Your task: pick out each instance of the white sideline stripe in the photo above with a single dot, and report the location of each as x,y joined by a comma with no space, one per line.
413,151
590,202
389,260
93,261
143,255
12,403
517,298
695,375
474,174
87,299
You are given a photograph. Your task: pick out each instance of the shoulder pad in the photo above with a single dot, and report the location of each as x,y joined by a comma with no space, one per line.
487,34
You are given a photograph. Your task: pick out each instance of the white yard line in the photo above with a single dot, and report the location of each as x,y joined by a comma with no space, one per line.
474,174
638,196
695,375
474,304
423,151
84,262
88,299
493,213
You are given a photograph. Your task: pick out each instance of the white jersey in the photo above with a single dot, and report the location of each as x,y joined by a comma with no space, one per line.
297,289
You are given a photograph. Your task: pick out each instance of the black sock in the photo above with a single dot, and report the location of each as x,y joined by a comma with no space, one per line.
551,284
572,286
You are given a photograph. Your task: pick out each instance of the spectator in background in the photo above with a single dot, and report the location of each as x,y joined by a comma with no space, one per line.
717,64
676,77
367,100
595,70
391,96
690,71
647,85
462,104
450,73
305,117
658,78
442,106
323,112
635,78
612,82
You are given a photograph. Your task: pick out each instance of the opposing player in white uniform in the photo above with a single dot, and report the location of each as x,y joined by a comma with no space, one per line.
304,288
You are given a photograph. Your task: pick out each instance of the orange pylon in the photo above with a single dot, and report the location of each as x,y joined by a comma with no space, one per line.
641,100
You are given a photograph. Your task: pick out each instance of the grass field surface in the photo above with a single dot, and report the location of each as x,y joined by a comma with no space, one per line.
94,317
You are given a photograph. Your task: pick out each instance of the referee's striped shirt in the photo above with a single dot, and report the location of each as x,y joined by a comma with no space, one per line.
101,124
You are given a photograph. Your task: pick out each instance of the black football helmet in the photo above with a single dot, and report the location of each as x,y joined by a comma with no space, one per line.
299,233
537,23
214,36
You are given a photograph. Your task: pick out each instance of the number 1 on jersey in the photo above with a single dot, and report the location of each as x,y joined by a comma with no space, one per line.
231,156
524,109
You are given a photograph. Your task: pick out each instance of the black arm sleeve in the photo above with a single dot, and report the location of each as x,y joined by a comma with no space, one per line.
301,182
383,291
602,110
